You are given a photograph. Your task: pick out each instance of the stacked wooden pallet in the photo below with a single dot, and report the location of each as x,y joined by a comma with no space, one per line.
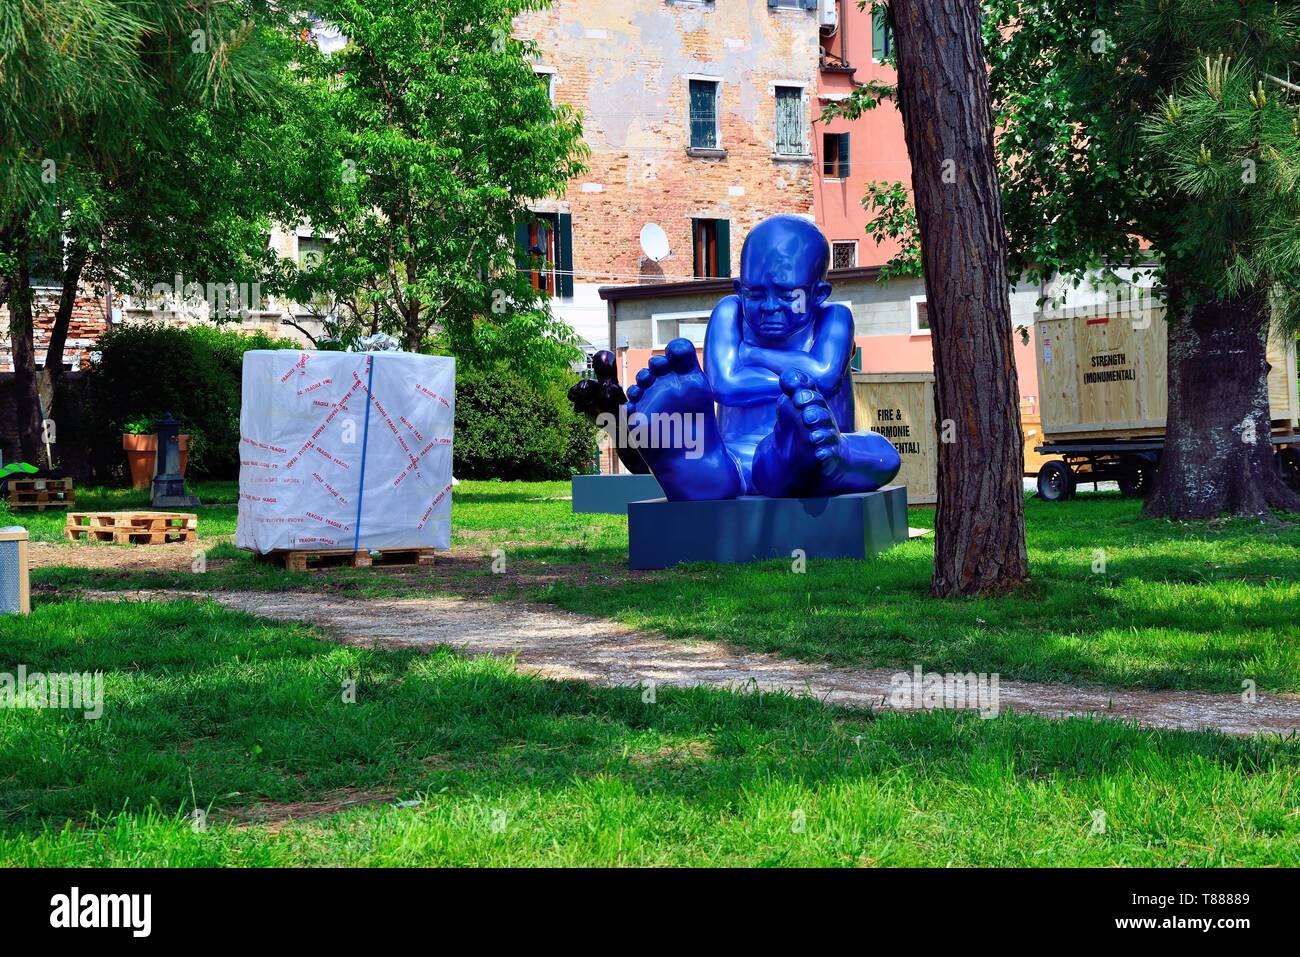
41,493
300,560
132,528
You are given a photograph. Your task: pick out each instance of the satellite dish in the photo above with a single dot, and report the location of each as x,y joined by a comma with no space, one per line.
654,241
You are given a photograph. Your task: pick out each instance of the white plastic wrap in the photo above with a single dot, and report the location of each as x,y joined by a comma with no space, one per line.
312,424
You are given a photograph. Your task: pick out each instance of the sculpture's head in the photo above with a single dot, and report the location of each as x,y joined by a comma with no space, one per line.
782,276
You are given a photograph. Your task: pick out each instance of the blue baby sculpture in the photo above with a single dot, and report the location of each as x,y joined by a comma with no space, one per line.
777,359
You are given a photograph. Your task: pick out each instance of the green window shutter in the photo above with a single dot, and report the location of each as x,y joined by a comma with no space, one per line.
879,36
724,247
704,110
564,250
844,155
808,4
695,248
789,120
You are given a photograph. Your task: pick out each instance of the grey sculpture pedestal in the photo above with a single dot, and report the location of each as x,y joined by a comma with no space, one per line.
610,494
751,528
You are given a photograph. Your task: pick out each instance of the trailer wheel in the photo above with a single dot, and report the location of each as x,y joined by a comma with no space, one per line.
1055,481
1135,481
1288,463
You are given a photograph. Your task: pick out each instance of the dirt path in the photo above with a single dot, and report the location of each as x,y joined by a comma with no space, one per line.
558,644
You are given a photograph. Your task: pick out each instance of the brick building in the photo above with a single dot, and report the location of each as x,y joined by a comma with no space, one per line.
97,311
698,115
852,154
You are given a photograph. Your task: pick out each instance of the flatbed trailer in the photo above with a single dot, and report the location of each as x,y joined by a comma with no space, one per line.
1130,462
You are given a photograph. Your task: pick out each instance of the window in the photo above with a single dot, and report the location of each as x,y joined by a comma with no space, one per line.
844,255
680,325
835,155
920,316
704,114
787,4
855,364
711,247
544,251
45,262
311,251
547,78
882,38
789,121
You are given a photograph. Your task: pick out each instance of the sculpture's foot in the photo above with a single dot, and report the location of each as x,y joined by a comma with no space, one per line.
671,417
807,454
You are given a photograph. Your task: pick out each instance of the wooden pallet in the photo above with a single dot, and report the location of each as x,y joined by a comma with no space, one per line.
39,494
133,528
299,560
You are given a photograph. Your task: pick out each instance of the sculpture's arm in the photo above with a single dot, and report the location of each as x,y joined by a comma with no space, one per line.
733,381
825,362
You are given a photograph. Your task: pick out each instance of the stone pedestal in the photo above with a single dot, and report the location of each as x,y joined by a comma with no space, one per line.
610,494
752,528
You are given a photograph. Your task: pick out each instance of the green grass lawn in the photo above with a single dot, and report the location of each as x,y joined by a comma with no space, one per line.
471,763
1115,598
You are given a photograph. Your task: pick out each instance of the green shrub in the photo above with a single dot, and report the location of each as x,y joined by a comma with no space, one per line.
504,428
146,370
508,430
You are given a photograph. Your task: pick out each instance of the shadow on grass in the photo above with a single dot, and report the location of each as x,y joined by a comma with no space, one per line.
1115,598
220,709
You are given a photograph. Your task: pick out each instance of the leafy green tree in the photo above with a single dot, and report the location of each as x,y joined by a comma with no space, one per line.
141,114
427,135
1167,128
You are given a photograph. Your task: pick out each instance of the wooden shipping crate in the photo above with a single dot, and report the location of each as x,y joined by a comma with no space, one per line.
1107,376
1031,425
900,406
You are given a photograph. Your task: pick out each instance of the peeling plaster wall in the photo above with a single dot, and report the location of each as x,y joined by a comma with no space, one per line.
624,65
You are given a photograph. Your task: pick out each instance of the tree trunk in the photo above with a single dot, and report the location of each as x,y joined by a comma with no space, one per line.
1218,457
24,352
943,93
49,377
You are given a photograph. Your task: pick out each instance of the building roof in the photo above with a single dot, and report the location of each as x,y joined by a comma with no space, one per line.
656,290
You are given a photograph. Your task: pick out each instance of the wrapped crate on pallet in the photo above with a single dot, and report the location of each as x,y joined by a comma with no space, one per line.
344,450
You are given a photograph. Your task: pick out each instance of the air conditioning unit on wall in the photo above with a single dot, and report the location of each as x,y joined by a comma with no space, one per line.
828,14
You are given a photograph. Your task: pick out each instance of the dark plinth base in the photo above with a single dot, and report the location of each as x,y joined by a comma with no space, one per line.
169,492
662,533
610,494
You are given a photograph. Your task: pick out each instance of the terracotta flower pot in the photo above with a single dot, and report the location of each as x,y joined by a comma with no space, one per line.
141,453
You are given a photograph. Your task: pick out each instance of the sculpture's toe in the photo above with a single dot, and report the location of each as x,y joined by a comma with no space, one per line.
680,356
793,380
817,416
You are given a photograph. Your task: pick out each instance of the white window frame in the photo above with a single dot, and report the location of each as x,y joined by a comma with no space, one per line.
550,73
717,110
805,146
655,319
845,242
916,316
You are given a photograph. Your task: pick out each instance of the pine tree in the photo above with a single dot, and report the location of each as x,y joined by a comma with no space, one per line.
1167,126
103,107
